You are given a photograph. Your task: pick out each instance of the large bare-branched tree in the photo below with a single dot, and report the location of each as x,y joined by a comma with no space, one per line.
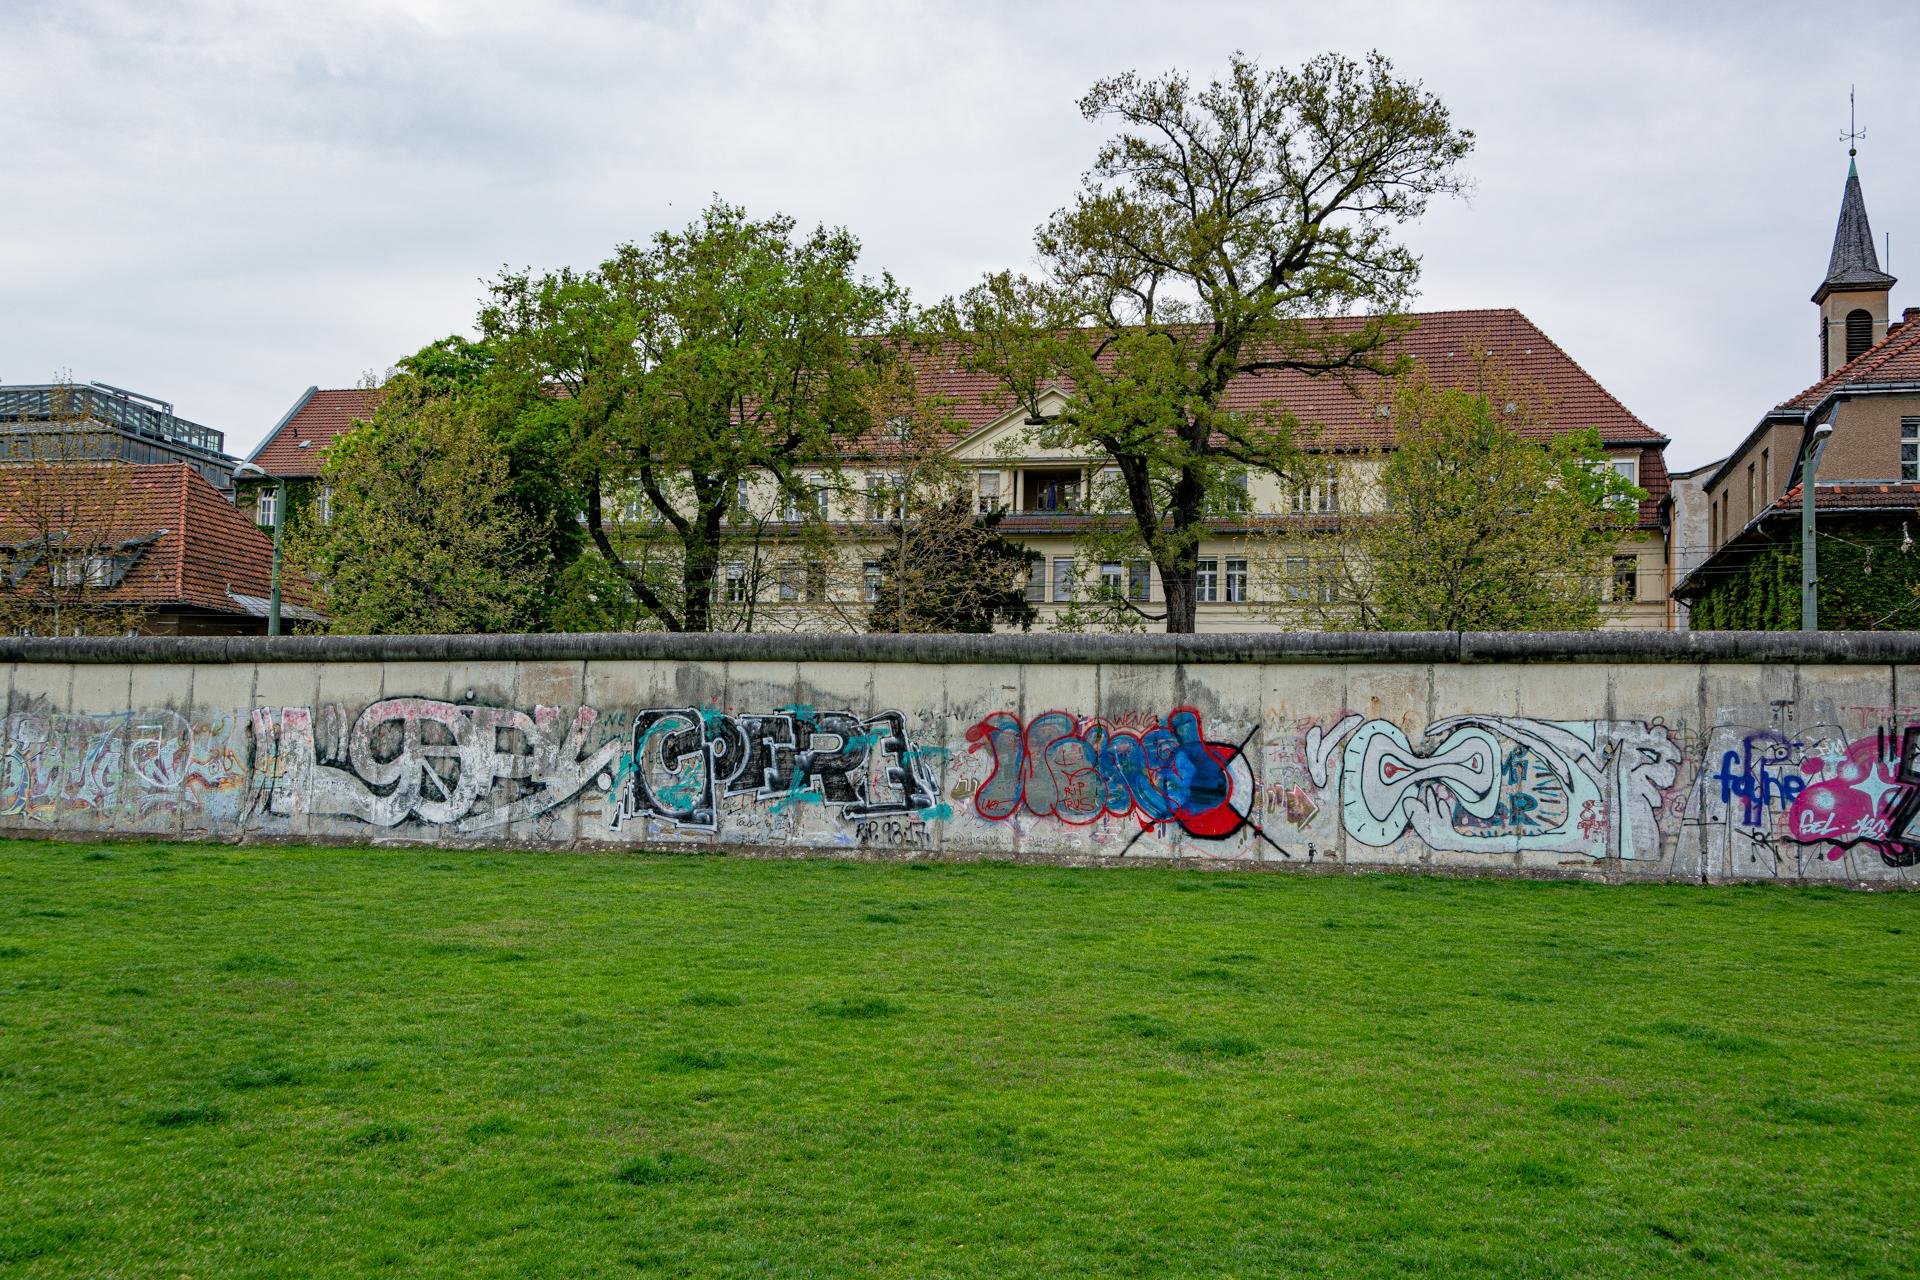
1215,230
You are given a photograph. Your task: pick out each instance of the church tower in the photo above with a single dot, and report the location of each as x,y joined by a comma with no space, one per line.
1853,297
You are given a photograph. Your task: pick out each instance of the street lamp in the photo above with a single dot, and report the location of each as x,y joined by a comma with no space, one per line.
279,523
1809,563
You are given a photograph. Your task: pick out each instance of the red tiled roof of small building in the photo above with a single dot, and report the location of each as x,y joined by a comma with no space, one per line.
203,550
299,447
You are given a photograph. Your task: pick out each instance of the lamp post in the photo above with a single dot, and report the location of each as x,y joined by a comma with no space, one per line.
279,523
1809,556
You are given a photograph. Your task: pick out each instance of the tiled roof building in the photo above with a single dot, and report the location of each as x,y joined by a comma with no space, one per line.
172,547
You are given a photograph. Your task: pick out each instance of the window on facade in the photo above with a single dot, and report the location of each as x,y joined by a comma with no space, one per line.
1140,580
814,506
740,490
870,581
735,584
1062,580
816,581
323,504
263,509
1236,580
1626,579
74,571
1766,473
989,501
1037,582
1859,332
1319,495
1302,584
1753,485
790,582
1231,497
1627,469
1206,580
1053,490
1910,448
1113,580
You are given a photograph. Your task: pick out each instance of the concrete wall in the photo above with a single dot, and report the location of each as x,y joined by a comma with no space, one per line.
1705,756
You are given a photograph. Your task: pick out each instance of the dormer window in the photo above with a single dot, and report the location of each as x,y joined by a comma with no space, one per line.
1910,448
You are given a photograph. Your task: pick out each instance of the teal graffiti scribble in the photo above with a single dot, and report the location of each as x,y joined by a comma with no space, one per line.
938,813
921,753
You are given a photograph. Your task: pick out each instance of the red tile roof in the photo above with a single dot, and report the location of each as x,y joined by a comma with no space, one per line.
299,447
1851,497
206,551
1894,359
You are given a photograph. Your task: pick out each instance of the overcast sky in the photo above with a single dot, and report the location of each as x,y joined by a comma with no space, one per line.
222,204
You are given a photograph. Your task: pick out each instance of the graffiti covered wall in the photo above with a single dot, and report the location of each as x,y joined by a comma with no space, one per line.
1704,769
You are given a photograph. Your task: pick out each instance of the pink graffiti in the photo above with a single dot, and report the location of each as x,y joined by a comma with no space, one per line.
1860,799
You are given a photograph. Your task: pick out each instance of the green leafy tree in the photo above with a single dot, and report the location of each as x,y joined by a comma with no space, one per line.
1212,230
685,367
425,536
1477,520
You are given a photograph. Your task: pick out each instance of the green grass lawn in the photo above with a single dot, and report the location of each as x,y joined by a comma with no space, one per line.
222,1061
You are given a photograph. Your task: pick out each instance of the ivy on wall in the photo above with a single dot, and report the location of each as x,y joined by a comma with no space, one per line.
1869,581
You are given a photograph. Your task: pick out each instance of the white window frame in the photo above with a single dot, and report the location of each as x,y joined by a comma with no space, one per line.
1206,580
263,509
1113,580
1062,582
870,580
1037,582
734,584
1910,448
987,490
1235,581
1140,580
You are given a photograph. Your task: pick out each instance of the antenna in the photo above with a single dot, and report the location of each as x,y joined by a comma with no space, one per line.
1852,135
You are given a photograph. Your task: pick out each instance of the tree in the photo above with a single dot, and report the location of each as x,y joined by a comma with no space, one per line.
425,536
684,368
1474,522
64,544
1210,233
949,570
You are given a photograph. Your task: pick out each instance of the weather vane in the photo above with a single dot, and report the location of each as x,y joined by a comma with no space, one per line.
1852,135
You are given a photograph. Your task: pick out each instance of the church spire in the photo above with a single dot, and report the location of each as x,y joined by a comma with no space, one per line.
1853,266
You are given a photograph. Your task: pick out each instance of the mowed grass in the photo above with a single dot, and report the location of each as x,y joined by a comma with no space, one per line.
411,1062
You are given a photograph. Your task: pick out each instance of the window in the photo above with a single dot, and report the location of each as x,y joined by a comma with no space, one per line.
263,509
1053,490
1319,495
736,583
1113,580
1036,582
1062,580
989,501
1301,583
1859,332
816,502
1766,473
1236,580
1232,493
1753,485
740,488
790,575
323,504
74,571
1206,580
1910,448
816,581
884,497
870,581
1140,580
1626,579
